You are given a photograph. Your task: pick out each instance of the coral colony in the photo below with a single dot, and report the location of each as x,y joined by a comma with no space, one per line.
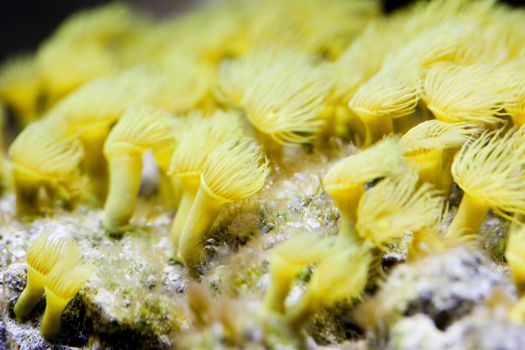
428,103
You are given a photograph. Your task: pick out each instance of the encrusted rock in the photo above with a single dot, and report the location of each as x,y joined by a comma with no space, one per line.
482,330
445,287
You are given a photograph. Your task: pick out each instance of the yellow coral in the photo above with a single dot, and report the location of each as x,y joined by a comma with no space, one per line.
284,103
139,130
46,251
396,206
489,170
234,171
476,93
90,44
43,157
392,93
345,181
84,114
235,75
200,137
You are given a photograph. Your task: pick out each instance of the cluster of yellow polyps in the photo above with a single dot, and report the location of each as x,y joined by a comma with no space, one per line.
197,90
384,214
54,266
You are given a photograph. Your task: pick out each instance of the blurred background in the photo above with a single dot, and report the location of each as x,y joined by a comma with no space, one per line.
25,23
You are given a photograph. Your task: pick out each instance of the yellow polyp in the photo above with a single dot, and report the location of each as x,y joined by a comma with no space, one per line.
286,261
345,181
515,255
125,171
203,213
139,129
395,206
190,187
235,170
170,191
286,100
43,158
469,217
200,137
456,93
489,170
331,282
391,93
47,250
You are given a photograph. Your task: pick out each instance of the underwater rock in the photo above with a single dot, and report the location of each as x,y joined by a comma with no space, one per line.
444,287
481,331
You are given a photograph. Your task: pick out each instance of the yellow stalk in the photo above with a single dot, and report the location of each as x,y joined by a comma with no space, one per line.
62,284
404,124
430,148
346,180
280,287
190,187
515,255
31,294
234,171
203,213
94,163
469,217
55,305
125,175
27,186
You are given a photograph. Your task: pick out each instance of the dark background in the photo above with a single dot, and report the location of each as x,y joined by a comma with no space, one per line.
25,23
